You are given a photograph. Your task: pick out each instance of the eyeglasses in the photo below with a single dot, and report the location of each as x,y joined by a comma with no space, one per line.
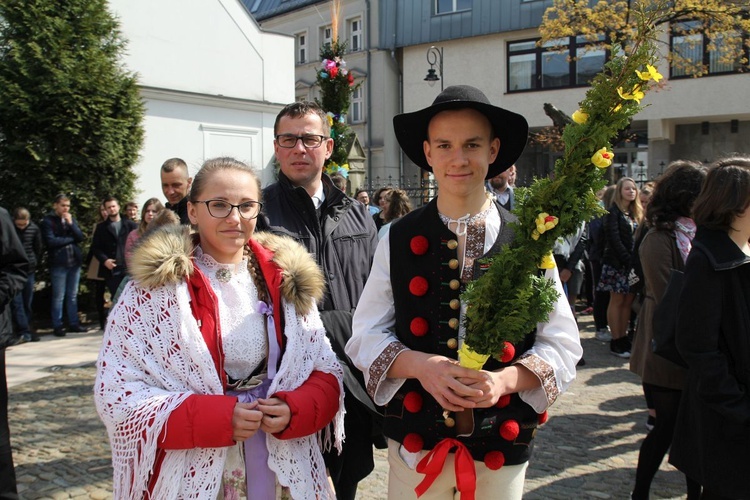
221,209
310,141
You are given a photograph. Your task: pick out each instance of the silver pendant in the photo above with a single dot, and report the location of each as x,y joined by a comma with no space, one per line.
224,275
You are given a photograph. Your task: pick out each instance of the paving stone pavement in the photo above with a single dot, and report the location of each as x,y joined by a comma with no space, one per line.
587,449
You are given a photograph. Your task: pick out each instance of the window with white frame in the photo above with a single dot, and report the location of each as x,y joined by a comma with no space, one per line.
355,34
301,47
357,105
326,35
448,6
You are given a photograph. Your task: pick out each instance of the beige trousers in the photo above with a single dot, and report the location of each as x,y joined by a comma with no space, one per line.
505,483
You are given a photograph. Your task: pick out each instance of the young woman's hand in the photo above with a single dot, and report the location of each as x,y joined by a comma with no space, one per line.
246,420
276,415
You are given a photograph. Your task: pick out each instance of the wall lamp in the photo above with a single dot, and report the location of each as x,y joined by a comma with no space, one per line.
435,58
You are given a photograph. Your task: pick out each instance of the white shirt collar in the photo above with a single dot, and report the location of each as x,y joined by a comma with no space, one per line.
319,197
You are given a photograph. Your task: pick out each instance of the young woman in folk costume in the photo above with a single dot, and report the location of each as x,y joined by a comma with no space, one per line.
215,378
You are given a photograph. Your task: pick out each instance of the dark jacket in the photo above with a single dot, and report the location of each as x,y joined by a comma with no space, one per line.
62,241
110,245
712,434
31,239
659,255
13,268
342,240
618,234
595,241
180,208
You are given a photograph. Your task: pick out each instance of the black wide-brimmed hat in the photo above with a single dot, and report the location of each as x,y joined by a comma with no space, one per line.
511,128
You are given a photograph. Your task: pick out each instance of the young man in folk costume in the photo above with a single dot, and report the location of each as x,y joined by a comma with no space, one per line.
439,416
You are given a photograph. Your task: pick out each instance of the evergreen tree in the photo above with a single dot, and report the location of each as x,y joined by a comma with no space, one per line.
70,114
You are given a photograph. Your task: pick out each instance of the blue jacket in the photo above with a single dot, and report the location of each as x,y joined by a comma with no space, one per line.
62,241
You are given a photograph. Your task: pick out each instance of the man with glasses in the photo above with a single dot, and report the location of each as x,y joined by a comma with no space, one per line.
341,235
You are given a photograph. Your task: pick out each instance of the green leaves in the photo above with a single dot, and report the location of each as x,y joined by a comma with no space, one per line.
70,115
512,297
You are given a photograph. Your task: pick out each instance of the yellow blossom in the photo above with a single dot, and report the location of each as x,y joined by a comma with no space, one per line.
548,262
602,158
580,117
650,73
543,222
635,95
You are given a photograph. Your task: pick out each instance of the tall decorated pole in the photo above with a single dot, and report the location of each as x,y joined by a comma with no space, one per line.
336,84
513,296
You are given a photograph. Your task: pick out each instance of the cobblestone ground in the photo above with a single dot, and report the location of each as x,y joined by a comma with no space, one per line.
588,449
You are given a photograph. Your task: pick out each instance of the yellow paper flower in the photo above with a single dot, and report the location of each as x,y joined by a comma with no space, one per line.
329,117
470,359
602,158
650,73
543,222
548,262
635,95
580,117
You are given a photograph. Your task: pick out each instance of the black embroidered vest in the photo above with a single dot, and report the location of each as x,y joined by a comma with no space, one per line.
426,289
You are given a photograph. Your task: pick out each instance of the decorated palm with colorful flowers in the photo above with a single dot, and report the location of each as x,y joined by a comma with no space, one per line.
557,206
336,84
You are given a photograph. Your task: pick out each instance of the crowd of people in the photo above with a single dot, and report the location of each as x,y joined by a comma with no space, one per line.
260,342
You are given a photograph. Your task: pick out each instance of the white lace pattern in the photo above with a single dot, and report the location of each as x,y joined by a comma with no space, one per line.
153,357
243,333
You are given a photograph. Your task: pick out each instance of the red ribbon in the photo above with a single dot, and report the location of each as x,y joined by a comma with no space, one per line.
432,465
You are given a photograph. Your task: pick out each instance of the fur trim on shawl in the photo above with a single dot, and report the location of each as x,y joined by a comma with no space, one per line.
163,257
154,356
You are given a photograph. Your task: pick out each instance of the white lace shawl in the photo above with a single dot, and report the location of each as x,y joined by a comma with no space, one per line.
153,357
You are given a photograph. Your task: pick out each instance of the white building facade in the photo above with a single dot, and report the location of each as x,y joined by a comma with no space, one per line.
491,44
212,81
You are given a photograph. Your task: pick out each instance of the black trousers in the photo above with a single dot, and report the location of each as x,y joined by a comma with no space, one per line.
113,281
7,473
355,461
666,403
